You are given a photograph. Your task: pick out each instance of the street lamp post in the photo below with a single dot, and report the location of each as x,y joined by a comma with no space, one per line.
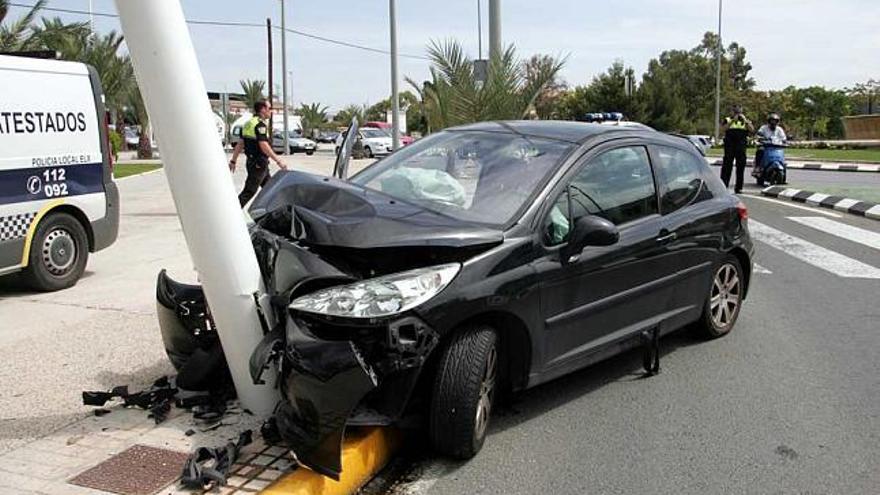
284,79
395,97
718,76
494,28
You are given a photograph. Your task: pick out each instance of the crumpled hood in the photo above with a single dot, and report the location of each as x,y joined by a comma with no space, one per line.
326,211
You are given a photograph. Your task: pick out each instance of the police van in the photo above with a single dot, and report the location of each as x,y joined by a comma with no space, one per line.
58,201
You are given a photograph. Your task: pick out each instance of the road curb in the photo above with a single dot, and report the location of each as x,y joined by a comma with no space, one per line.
847,205
825,167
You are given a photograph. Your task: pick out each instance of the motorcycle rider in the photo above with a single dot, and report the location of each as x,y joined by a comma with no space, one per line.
770,132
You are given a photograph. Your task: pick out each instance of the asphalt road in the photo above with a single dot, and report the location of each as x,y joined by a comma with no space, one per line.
787,403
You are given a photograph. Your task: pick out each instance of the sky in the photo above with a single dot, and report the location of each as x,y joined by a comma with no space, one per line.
790,42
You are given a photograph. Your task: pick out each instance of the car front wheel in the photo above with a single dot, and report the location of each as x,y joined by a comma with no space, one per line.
464,390
368,152
58,253
724,300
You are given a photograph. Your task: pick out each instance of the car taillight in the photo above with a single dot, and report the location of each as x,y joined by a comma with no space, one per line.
107,141
742,211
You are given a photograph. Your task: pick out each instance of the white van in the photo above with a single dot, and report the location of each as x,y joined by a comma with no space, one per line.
58,201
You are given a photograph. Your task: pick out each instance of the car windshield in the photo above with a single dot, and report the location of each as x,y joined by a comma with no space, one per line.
374,133
484,177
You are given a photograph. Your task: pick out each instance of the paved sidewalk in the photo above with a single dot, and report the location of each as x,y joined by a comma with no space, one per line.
101,333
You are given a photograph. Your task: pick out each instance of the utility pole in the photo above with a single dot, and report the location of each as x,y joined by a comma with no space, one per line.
479,30
718,76
395,97
494,29
284,79
91,19
269,44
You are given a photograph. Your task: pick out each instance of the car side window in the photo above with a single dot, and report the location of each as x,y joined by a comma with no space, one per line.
681,179
617,185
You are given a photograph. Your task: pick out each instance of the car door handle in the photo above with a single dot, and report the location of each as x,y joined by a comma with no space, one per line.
666,238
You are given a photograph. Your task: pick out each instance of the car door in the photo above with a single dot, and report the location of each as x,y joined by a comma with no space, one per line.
696,218
604,294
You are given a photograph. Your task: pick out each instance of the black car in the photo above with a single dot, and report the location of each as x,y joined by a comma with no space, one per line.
485,258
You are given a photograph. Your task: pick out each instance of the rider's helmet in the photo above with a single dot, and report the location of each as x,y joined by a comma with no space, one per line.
773,118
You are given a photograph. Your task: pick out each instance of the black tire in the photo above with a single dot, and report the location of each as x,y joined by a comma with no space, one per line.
463,393
368,153
51,265
712,323
761,182
310,153
775,178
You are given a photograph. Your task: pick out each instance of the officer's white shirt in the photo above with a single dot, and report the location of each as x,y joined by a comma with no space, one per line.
776,136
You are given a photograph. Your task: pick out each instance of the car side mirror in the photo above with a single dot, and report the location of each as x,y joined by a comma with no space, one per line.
589,230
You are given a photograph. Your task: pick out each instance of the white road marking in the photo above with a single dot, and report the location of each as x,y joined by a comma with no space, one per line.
756,268
794,205
855,234
808,252
873,212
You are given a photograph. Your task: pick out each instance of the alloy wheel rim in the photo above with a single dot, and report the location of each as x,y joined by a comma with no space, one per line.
59,252
487,389
725,298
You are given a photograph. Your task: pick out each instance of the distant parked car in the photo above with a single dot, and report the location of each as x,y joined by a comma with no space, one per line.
328,137
375,142
298,144
132,138
385,126
703,143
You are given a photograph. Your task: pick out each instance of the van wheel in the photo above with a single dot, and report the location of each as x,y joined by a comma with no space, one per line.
464,390
724,299
58,253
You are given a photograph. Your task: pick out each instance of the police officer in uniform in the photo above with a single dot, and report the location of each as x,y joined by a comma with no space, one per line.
737,129
255,142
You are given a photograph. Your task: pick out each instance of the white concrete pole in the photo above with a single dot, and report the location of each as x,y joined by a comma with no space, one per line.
395,95
718,77
174,92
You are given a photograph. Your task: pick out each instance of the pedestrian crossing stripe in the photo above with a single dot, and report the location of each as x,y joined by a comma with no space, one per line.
854,234
812,254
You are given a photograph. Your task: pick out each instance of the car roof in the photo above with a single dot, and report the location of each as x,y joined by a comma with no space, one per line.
573,132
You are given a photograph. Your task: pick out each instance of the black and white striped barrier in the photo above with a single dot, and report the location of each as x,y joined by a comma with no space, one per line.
829,167
839,203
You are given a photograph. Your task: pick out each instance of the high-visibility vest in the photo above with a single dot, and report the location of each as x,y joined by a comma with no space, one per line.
249,130
736,124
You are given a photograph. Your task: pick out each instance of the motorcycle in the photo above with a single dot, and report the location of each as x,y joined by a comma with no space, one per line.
772,167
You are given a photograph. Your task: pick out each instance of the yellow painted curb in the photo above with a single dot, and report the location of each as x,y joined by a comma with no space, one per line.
365,452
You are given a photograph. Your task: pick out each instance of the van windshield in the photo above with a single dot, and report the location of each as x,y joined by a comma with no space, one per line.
483,177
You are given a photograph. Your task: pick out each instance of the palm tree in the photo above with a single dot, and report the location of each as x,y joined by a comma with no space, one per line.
253,91
25,34
352,111
453,96
313,115
136,103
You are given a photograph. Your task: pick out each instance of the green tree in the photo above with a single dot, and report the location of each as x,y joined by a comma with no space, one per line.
607,92
19,35
136,103
254,91
313,115
344,116
865,97
547,102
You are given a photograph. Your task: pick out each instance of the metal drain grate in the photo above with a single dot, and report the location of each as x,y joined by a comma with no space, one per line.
139,470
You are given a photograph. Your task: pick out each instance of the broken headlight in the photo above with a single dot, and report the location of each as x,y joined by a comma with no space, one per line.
381,296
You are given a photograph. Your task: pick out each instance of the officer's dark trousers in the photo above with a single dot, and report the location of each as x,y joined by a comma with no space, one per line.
731,154
257,175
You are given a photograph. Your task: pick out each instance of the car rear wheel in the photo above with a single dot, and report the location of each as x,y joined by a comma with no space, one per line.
724,299
464,390
58,253
368,152
310,153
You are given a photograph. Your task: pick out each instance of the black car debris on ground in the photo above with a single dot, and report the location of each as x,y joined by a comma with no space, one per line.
479,260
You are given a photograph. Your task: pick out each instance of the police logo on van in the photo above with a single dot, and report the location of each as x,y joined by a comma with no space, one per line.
34,184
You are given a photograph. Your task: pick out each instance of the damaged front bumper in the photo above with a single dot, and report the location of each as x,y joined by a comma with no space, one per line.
329,381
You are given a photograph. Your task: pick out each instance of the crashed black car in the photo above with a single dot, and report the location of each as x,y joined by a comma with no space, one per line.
485,258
